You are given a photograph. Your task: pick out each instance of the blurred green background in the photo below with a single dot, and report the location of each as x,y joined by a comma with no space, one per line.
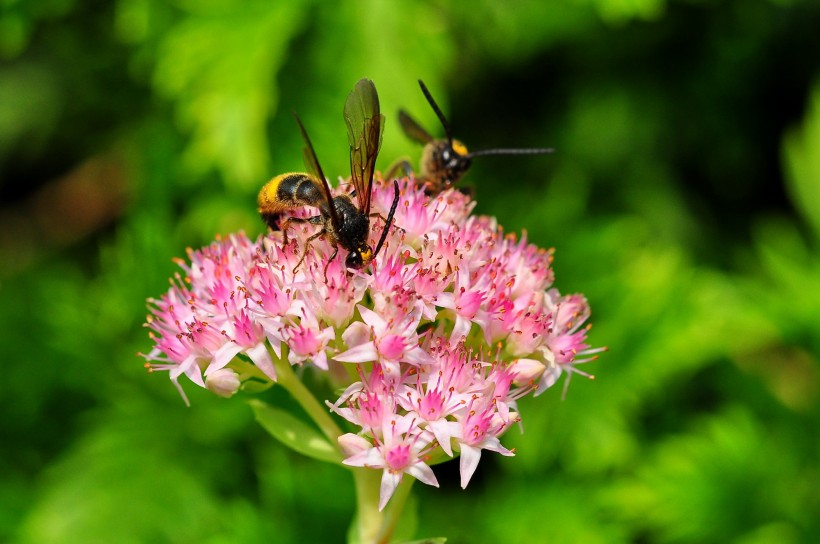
684,200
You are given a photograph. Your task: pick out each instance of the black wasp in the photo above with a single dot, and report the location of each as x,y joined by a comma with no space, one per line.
343,223
444,162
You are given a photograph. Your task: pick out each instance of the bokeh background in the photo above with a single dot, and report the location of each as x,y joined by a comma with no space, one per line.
684,200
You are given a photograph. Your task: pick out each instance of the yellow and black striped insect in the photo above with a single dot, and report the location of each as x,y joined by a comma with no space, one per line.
343,223
444,162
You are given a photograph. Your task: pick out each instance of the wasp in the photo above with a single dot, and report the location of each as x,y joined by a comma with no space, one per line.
444,162
342,222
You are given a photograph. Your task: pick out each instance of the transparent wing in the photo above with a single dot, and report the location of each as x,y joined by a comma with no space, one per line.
365,125
412,129
312,164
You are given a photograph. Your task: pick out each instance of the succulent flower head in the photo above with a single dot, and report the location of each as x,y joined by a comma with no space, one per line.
449,325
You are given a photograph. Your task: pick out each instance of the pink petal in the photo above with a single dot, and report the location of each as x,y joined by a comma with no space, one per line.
391,346
469,303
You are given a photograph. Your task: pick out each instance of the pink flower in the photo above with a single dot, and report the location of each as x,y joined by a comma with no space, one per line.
432,344
393,342
465,301
308,340
401,450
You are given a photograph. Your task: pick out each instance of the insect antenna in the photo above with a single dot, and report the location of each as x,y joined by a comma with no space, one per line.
438,111
526,151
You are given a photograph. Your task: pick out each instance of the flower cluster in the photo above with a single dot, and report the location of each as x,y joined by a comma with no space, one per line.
442,333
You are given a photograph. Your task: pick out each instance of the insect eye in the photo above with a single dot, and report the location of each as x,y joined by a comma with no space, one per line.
354,259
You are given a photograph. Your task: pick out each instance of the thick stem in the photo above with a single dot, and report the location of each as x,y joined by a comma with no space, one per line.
394,509
316,410
372,526
368,520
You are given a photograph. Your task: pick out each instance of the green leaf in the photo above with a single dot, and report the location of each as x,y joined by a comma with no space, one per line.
801,150
294,433
222,88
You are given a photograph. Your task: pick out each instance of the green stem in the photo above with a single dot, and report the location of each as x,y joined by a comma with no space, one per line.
368,521
316,410
394,509
372,526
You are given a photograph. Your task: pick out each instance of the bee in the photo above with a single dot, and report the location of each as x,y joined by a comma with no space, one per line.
343,223
444,162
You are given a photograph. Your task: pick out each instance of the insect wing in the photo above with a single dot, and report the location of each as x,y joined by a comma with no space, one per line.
312,164
365,125
413,130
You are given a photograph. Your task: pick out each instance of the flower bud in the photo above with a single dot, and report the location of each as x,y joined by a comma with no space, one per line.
527,371
351,444
224,382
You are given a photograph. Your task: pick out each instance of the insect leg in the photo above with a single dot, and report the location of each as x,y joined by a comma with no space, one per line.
307,244
389,217
283,226
272,220
330,260
401,164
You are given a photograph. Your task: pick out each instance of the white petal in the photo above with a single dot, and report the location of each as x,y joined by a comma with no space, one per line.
320,360
367,458
418,356
469,462
363,353
190,369
461,328
422,473
260,356
356,387
442,430
390,481
223,356
550,375
446,300
356,334
372,318
493,444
